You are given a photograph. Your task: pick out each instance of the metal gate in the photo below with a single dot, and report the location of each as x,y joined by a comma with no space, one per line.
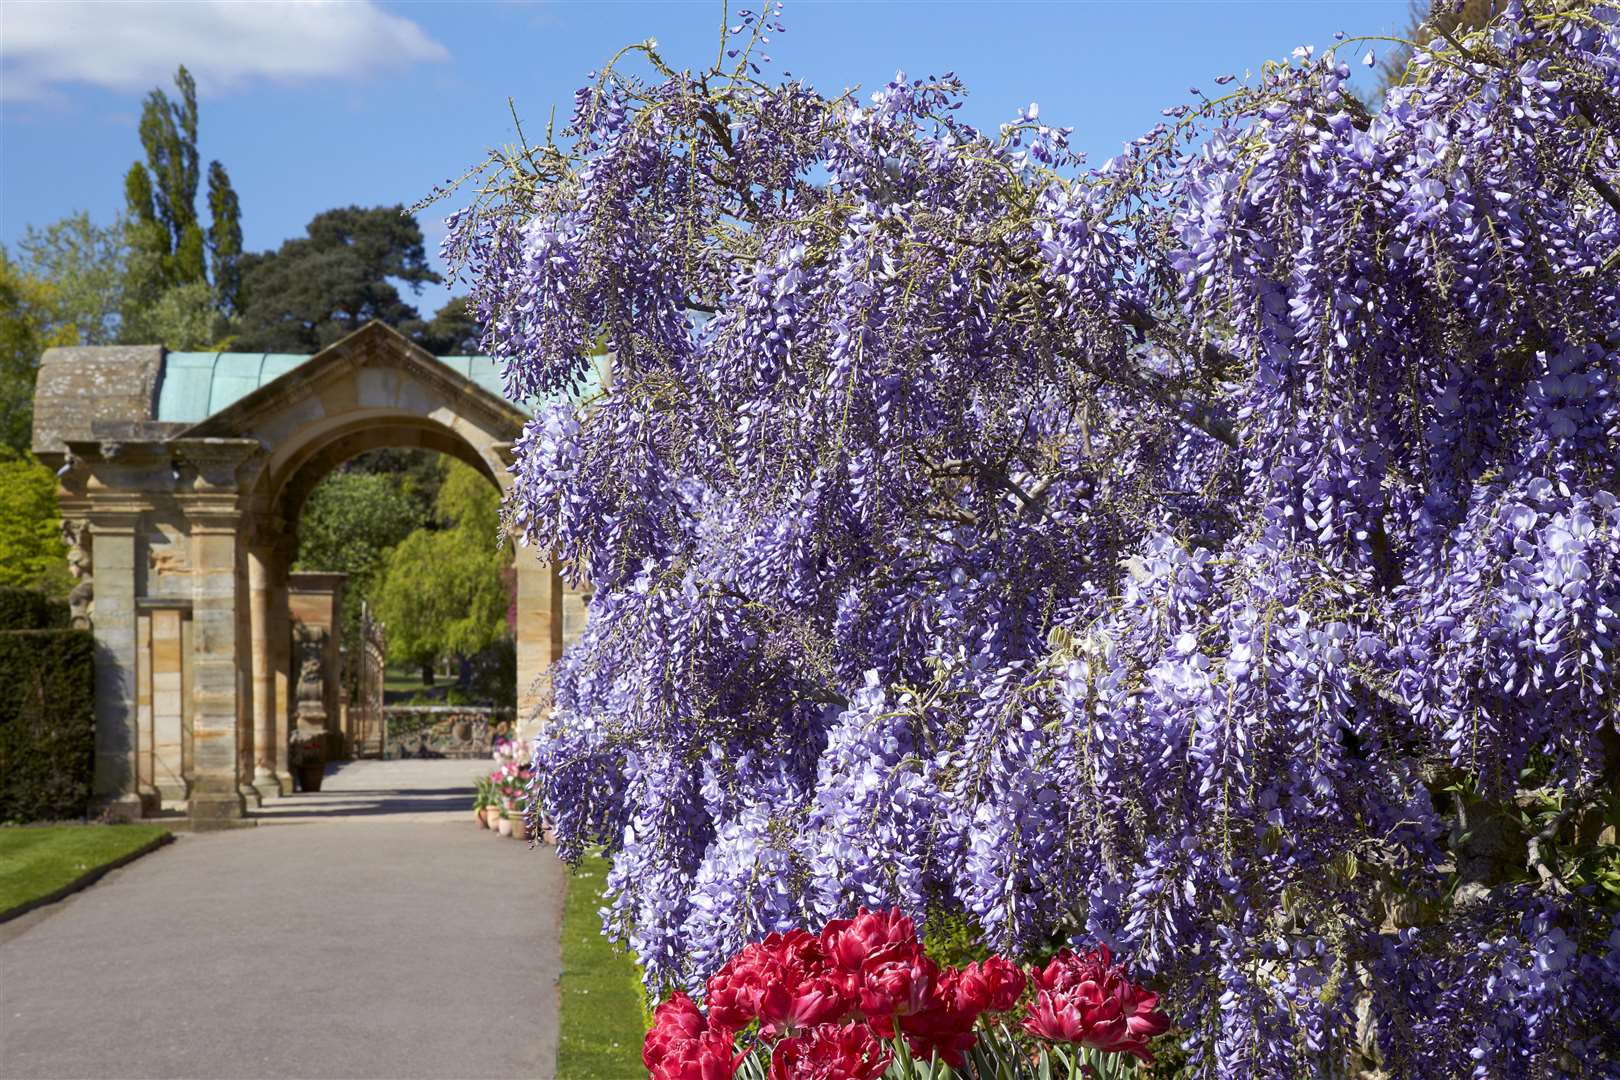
366,702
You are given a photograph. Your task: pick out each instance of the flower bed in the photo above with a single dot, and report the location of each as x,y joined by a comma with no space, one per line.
863,999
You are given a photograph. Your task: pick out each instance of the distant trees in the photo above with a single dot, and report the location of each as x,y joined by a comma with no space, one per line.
444,592
168,295
1433,20
350,522
32,554
31,321
84,265
452,331
318,287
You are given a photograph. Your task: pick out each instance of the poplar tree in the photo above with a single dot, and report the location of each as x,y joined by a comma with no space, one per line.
168,291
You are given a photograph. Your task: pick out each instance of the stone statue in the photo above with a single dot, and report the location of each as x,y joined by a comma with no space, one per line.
311,693
81,601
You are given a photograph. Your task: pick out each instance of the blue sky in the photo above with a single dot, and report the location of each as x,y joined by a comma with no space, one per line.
318,105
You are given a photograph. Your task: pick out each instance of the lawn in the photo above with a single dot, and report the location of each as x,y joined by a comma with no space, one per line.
600,1022
37,862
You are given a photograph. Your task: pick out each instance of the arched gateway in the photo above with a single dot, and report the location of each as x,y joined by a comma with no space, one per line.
181,477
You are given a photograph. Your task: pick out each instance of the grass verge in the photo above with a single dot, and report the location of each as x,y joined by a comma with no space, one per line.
599,998
38,865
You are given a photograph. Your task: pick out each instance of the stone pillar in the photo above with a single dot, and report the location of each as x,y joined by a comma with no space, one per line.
265,781
539,637
167,679
215,665
281,677
117,739
220,655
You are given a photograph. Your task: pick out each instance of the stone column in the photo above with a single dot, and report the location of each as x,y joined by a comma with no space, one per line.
281,674
220,658
117,739
215,665
264,696
539,637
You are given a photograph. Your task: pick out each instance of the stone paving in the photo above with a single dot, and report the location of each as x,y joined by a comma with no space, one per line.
369,930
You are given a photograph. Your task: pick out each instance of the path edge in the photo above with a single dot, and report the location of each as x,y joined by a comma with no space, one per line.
86,879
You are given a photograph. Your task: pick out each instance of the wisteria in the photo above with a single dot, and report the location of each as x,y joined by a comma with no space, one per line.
1213,554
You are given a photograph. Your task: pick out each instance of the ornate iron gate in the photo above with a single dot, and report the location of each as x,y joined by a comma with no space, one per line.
366,703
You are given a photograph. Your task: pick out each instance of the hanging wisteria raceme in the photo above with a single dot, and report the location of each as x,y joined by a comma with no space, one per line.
1213,554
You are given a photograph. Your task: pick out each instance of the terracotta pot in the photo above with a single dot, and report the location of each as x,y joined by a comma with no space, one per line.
478,816
520,829
492,816
505,826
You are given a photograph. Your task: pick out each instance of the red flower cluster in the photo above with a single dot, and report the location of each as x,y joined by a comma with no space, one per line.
825,1005
683,1045
868,973
1088,1000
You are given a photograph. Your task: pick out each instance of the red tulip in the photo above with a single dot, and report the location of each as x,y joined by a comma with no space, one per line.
848,942
897,980
682,1045
708,1057
1088,1000
782,982
992,985
830,1052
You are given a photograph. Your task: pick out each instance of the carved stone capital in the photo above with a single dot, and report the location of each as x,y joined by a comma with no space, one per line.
217,464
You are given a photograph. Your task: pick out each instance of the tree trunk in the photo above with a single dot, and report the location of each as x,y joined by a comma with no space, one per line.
427,673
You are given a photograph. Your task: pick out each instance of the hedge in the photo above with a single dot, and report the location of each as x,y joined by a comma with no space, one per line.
47,724
26,609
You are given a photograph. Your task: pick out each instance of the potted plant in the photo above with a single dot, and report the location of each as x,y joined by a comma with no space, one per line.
308,760
520,827
505,824
481,801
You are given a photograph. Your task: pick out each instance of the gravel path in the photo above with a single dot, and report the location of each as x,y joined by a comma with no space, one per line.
367,930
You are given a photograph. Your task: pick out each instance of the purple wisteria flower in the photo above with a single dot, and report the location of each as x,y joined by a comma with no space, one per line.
1214,554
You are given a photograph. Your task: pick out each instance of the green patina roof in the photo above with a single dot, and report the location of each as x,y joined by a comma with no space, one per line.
196,385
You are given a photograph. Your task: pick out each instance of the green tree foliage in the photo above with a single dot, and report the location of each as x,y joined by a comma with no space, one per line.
349,523
168,250
84,263
32,553
1443,18
30,322
444,593
452,331
225,237
318,287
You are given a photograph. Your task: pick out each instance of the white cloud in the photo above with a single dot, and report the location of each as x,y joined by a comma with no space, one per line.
137,45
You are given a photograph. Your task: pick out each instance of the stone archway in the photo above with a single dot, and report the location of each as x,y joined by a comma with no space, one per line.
181,475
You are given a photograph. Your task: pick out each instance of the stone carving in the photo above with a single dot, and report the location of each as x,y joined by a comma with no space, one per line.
81,601
311,652
167,552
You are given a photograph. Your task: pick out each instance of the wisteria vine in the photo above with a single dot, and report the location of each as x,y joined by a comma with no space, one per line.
1213,554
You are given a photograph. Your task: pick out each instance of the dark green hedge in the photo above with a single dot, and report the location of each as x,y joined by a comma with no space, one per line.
47,724
26,609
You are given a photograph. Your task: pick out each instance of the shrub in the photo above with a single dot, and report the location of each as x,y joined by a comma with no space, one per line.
47,723
28,609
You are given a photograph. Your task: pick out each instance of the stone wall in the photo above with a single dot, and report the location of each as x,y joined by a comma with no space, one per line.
443,731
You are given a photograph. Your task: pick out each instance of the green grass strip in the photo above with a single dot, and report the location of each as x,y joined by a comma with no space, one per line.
39,863
600,1023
